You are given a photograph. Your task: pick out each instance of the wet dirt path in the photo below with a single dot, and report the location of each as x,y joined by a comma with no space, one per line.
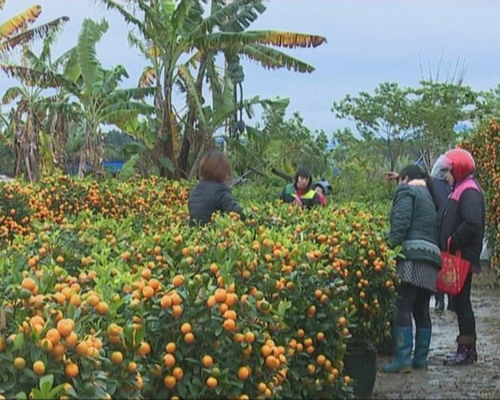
478,381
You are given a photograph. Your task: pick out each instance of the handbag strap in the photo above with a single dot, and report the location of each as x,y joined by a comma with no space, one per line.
448,244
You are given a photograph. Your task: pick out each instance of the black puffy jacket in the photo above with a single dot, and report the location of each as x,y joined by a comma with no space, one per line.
208,197
463,220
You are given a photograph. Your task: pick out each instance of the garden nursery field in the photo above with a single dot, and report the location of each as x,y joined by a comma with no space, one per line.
107,292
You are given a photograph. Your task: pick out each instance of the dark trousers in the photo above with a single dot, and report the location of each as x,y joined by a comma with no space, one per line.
463,308
413,301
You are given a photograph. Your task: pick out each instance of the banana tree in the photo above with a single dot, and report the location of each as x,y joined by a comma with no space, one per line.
174,32
13,32
211,118
93,90
100,99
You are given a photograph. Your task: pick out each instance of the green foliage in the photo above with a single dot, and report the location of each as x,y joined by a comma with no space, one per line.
426,115
281,143
360,170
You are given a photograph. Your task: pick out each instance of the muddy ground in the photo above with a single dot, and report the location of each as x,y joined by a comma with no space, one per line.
478,381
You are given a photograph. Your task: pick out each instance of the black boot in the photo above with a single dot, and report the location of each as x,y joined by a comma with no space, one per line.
451,306
439,304
466,351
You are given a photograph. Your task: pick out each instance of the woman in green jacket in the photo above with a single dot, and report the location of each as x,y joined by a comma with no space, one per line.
413,221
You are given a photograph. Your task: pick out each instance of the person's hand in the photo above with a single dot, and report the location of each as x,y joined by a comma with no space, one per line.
392,176
297,201
453,246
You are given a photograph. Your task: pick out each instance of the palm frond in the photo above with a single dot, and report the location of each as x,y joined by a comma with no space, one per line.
16,23
37,32
274,59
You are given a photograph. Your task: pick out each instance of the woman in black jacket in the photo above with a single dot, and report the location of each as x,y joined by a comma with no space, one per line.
212,193
462,224
413,221
442,190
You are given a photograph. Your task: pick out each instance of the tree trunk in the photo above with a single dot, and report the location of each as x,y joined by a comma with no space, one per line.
84,152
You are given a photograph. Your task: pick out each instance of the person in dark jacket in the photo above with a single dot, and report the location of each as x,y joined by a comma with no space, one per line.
413,226
300,191
212,193
442,190
462,225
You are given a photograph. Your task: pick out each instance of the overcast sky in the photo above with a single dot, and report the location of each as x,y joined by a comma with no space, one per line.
368,42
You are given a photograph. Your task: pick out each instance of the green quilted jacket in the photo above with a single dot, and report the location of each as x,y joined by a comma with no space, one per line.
414,225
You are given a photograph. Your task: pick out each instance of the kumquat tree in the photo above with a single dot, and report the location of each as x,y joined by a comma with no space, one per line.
111,287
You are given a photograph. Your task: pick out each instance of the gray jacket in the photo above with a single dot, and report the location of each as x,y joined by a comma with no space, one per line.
208,197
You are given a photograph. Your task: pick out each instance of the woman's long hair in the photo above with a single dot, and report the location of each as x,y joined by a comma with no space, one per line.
415,172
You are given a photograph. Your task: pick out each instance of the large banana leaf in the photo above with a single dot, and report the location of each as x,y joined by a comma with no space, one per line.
43,79
86,49
120,111
130,18
222,15
39,31
11,94
192,94
146,50
274,59
191,20
234,40
239,22
214,78
13,25
134,93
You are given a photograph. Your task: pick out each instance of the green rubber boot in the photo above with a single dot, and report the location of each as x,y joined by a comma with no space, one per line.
422,343
404,344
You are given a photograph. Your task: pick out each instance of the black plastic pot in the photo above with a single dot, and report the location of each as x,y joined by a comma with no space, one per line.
361,366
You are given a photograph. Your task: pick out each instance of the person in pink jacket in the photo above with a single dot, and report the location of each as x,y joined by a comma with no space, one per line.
323,189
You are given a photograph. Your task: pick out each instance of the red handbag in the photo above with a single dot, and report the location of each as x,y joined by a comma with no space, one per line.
453,272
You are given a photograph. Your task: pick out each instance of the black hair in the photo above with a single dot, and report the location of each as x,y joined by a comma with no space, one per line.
415,172
303,172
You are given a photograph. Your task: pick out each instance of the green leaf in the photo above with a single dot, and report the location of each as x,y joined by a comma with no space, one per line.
21,396
18,342
46,383
283,306
167,163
